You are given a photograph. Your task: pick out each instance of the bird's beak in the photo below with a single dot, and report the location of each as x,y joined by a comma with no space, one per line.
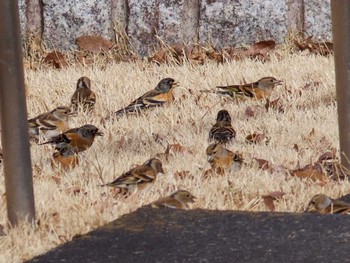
210,158
175,84
99,133
278,82
193,199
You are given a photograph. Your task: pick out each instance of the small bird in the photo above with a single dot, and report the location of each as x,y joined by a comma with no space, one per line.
222,159
65,156
83,98
161,94
179,200
260,89
323,204
222,131
80,139
50,124
138,177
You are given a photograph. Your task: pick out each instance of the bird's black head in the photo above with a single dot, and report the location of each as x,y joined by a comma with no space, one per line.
223,115
166,84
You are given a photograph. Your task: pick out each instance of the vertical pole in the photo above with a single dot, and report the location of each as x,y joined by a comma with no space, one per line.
14,136
341,41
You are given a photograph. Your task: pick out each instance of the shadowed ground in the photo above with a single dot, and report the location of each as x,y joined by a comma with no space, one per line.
165,235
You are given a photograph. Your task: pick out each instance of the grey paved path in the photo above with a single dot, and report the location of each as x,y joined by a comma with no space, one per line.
166,235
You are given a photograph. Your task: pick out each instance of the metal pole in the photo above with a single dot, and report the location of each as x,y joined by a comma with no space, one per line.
341,41
17,162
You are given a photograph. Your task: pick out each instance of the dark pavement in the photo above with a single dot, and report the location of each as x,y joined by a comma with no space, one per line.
167,235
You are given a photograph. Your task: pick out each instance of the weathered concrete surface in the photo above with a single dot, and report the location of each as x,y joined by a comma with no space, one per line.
165,235
318,21
225,22
34,18
149,18
64,21
22,7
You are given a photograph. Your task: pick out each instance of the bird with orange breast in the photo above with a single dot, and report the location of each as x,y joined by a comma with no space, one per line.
260,89
161,94
79,139
65,156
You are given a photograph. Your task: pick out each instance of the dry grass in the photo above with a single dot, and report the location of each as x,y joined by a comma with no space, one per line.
71,203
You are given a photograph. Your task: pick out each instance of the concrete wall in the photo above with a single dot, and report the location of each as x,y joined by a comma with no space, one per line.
223,22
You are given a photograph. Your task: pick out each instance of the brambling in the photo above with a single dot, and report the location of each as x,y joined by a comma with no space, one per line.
160,95
222,131
50,124
83,96
260,89
80,139
223,159
323,204
177,200
138,177
65,156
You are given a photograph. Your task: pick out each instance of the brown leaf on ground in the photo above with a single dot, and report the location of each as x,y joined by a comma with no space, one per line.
260,48
255,138
310,85
56,59
311,171
274,104
315,47
270,198
94,43
327,156
249,112
268,201
263,164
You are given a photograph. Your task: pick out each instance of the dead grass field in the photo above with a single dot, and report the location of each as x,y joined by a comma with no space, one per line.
71,202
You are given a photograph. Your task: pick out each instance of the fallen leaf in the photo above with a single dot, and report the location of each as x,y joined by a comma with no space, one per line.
313,172
56,59
270,198
255,138
249,112
263,164
94,43
327,156
274,104
261,48
310,85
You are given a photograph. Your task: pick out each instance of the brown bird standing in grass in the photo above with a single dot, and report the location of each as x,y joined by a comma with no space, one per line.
222,131
138,177
50,124
162,94
80,139
222,159
260,89
65,156
179,200
83,98
323,204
